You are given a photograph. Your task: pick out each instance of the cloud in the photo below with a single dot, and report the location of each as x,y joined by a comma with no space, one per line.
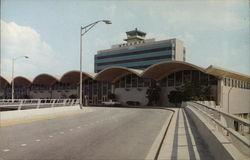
17,40
211,15
239,62
111,9
187,37
157,36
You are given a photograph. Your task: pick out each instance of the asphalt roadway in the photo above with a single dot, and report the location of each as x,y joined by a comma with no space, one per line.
105,133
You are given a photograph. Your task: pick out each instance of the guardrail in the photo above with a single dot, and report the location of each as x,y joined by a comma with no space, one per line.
36,103
235,129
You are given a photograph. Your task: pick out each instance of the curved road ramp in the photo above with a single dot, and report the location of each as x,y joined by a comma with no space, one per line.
71,133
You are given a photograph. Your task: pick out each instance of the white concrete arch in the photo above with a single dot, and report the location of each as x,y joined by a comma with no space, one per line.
4,81
162,69
114,73
22,81
45,79
73,76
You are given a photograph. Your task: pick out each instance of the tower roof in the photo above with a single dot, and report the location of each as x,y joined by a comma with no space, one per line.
136,32
135,35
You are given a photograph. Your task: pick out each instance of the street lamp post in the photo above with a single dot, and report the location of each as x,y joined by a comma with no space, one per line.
13,69
84,30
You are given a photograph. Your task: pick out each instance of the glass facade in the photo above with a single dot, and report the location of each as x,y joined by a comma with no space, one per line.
133,81
23,91
20,92
179,78
136,57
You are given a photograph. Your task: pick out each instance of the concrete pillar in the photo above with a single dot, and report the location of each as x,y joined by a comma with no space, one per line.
219,92
20,105
53,103
85,100
113,88
38,103
64,102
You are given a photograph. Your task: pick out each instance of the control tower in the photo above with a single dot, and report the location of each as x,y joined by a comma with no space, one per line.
135,35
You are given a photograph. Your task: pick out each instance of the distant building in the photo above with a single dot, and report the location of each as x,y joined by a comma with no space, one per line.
139,53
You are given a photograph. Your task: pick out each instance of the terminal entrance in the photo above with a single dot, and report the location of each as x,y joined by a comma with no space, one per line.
95,92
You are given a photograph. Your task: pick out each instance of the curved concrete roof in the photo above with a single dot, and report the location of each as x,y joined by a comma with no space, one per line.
114,73
73,76
162,69
45,79
4,80
220,72
22,81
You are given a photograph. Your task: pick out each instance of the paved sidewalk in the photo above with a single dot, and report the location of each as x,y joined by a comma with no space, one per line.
182,141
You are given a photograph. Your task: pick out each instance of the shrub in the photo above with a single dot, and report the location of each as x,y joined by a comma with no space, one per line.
175,97
73,96
153,95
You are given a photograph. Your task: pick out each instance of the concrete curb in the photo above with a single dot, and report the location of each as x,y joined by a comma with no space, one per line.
156,147
169,135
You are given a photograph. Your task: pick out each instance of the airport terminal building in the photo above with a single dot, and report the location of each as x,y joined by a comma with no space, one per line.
139,53
129,69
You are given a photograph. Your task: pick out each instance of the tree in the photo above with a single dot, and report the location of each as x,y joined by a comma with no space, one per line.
190,91
175,97
26,96
73,96
195,91
153,95
111,96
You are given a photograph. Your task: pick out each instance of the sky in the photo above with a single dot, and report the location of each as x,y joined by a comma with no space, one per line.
214,32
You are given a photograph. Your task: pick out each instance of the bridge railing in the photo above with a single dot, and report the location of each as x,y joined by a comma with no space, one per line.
36,103
234,128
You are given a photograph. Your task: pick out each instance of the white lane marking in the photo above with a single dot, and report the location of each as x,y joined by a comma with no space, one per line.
61,132
38,140
6,150
71,129
50,136
79,127
23,145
